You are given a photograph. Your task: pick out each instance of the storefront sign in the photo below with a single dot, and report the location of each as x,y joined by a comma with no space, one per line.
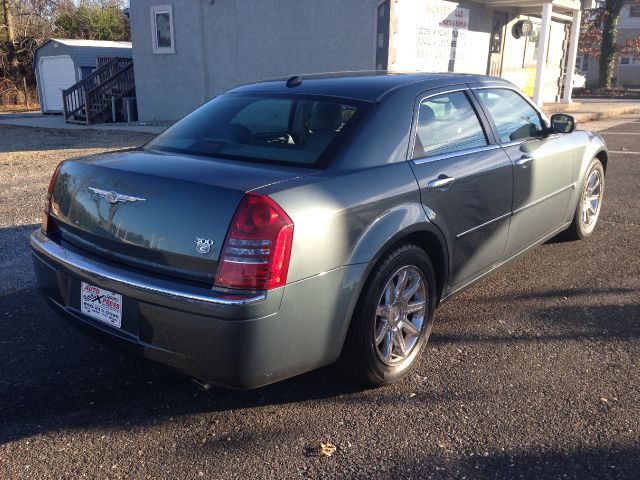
434,36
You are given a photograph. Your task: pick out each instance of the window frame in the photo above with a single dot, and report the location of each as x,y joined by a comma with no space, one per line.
154,12
634,11
544,121
480,115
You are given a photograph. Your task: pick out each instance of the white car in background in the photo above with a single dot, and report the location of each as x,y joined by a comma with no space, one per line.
579,79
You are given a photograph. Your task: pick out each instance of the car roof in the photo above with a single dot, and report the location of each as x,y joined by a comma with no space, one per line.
363,85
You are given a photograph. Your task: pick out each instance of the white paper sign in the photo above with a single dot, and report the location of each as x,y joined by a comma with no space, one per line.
434,36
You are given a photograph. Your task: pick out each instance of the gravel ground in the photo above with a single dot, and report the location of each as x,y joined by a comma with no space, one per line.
531,374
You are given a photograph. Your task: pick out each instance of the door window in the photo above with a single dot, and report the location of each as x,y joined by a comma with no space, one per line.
447,123
513,116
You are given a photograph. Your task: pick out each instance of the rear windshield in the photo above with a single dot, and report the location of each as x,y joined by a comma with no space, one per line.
289,129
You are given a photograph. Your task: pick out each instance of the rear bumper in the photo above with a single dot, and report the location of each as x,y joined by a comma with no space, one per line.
238,341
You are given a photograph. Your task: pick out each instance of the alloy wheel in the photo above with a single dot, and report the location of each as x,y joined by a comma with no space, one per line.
400,315
591,201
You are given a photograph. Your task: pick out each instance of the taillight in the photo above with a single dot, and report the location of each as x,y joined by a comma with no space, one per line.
47,227
256,252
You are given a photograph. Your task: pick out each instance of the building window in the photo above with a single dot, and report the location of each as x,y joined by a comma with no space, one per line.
499,22
582,62
625,61
634,10
163,39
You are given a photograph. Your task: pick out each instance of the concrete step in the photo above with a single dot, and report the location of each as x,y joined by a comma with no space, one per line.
551,108
590,111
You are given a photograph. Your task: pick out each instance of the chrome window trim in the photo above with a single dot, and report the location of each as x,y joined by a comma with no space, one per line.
417,119
460,153
54,252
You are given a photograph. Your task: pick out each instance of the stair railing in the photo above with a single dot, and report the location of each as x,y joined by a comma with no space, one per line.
74,99
98,99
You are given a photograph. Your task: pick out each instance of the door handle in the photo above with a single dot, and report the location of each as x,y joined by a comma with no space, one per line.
524,161
441,182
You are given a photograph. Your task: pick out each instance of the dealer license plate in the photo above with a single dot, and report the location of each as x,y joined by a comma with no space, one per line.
101,304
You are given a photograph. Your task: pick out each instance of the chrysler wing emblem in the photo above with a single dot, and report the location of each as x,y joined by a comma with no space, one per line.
115,197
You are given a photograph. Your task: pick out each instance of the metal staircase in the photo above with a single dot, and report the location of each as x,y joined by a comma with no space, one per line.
95,98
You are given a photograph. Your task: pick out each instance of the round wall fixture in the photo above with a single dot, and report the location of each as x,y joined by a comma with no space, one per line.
522,28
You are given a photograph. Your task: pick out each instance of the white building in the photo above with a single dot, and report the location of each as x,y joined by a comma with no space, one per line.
628,69
188,51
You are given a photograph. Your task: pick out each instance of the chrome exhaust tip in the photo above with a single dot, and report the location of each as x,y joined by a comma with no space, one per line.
205,387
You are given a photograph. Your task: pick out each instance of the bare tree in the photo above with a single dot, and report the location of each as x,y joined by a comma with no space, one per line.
10,61
25,25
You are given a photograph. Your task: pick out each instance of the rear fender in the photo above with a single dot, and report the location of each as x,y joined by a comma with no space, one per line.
403,222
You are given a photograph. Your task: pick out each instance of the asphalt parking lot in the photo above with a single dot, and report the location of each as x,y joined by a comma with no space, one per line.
533,373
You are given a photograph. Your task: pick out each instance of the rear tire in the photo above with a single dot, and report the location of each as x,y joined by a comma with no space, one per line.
589,205
393,319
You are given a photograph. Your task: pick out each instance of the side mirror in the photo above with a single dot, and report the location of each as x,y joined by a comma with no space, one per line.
562,123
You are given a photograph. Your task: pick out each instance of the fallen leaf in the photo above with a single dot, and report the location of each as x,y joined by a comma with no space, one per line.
326,449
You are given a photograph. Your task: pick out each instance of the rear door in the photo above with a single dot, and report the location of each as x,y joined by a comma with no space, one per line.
543,166
465,181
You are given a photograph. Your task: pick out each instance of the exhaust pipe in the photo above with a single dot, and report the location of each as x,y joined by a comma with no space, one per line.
205,387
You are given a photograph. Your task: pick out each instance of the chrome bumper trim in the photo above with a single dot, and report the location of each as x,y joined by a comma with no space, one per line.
55,252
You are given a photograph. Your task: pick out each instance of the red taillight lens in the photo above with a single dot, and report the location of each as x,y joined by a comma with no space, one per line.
256,252
46,219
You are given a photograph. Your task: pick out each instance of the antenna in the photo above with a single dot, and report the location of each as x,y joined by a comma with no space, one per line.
294,81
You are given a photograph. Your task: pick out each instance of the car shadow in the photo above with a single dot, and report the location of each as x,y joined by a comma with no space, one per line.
618,320
53,376
551,463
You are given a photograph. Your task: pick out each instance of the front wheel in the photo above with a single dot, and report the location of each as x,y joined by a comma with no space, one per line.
589,204
394,318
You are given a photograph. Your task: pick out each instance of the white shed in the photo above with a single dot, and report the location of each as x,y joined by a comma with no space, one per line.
60,63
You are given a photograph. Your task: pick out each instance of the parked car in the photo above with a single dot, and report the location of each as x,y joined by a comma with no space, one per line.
579,79
288,223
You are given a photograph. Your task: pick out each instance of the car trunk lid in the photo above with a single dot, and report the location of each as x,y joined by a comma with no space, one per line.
167,213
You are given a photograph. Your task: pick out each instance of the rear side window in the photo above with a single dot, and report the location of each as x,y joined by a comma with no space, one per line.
447,123
282,129
513,116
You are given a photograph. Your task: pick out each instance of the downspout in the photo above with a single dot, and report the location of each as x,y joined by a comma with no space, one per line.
205,60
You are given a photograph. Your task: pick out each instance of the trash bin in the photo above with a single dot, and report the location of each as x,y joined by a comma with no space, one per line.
130,109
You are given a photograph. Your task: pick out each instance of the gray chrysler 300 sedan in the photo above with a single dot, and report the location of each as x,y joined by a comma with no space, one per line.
289,222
